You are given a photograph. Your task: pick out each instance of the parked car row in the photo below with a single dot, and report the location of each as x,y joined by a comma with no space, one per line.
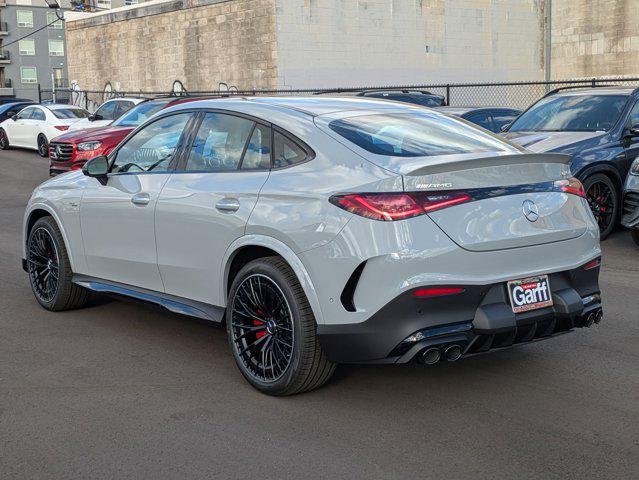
597,127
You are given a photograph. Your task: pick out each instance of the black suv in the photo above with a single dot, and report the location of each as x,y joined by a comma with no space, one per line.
599,128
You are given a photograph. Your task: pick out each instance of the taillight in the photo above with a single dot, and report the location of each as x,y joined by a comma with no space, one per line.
379,206
397,206
431,292
62,128
572,186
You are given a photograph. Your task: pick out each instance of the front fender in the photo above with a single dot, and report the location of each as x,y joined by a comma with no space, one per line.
28,214
285,252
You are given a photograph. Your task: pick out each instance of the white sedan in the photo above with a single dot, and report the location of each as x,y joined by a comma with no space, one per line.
107,112
34,126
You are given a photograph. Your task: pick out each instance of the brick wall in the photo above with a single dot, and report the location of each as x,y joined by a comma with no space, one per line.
594,38
200,42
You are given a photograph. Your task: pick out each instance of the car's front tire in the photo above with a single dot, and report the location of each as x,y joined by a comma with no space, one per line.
43,146
272,330
603,200
4,140
49,268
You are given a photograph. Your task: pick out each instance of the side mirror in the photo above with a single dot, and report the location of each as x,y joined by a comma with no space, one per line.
633,131
504,128
93,117
97,168
15,118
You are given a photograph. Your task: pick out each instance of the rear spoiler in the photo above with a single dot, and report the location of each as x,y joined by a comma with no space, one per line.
449,166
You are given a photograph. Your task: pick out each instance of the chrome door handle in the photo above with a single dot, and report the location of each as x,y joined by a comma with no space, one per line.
228,205
141,199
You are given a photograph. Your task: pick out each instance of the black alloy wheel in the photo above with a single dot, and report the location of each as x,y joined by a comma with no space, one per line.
262,327
4,141
49,268
43,265
602,199
272,330
43,146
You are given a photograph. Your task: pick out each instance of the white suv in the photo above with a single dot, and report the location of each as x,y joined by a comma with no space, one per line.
324,231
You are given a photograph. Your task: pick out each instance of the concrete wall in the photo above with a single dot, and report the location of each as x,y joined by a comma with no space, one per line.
594,38
200,42
330,43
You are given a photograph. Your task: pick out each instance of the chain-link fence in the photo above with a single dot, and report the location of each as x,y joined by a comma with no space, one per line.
510,94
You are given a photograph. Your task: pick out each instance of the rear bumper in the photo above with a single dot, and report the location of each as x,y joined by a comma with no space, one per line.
478,320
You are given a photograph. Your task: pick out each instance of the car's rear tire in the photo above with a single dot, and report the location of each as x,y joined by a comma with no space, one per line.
635,235
4,140
272,331
603,199
49,268
43,146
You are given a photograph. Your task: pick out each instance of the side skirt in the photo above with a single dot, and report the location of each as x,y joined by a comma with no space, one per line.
172,303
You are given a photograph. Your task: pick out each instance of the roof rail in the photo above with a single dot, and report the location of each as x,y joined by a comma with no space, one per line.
570,87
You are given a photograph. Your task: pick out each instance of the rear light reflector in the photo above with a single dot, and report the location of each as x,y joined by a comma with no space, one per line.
572,186
592,264
397,206
62,128
431,292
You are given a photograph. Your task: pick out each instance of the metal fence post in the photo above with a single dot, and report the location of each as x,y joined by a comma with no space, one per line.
448,94
594,82
39,94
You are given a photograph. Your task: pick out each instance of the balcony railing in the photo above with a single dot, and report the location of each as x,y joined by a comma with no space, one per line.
4,56
8,83
4,30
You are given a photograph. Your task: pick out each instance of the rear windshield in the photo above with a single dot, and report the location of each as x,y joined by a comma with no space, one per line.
571,113
416,135
139,114
70,113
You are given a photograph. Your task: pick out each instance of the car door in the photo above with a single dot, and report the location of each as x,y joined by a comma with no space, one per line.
36,125
117,218
18,130
205,205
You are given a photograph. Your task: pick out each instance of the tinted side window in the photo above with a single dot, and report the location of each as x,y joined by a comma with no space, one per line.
26,113
503,117
38,115
258,150
481,118
634,115
219,143
152,148
121,107
106,111
286,151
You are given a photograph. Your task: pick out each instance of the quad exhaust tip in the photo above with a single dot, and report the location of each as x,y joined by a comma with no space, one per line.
453,353
432,355
593,317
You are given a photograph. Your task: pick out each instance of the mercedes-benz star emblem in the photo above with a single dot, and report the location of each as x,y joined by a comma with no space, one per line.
531,210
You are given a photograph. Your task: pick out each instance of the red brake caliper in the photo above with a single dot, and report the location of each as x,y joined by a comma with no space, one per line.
257,323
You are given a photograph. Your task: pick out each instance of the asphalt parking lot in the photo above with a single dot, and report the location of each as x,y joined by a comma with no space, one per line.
123,390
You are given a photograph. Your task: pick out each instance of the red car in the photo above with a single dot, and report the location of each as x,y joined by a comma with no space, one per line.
71,150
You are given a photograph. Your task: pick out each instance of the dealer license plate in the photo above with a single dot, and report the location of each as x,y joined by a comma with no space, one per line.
529,293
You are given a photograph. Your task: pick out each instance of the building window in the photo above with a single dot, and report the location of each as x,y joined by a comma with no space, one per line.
104,4
29,74
53,19
56,48
130,2
25,18
27,46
